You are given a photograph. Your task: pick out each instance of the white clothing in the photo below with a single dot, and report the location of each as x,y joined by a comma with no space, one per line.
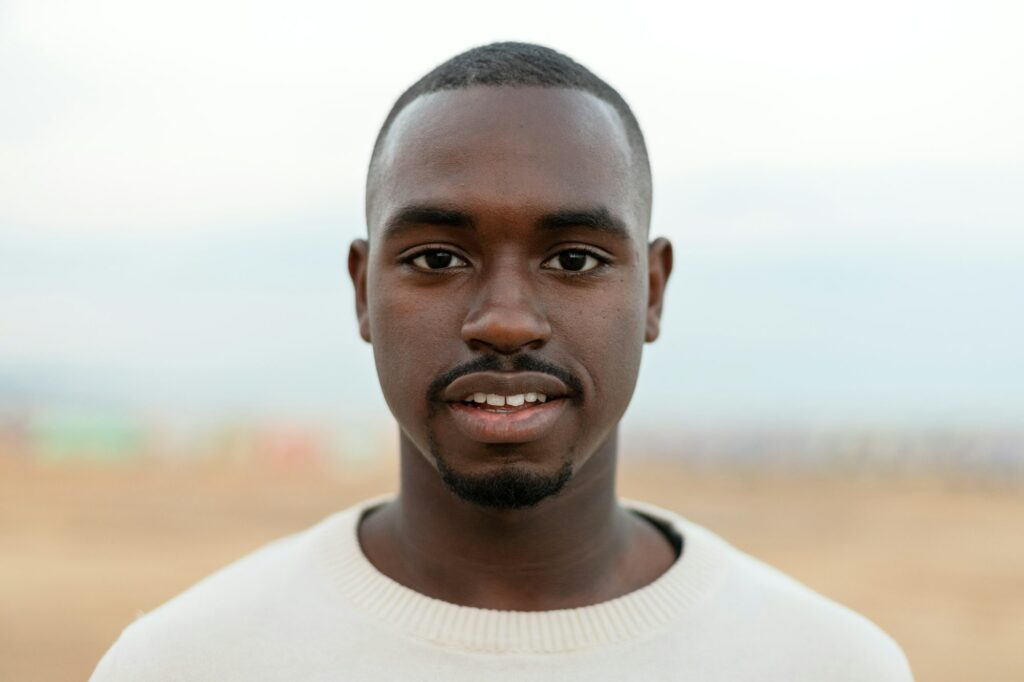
312,608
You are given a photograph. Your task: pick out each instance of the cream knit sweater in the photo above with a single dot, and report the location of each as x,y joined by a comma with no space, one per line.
312,608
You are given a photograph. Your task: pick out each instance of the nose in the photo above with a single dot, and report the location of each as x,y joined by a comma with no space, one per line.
506,316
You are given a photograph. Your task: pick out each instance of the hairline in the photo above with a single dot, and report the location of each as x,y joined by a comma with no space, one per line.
641,169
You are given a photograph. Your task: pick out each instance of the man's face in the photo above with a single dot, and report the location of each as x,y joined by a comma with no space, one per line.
506,287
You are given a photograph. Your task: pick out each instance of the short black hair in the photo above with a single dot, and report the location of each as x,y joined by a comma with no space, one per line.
513,64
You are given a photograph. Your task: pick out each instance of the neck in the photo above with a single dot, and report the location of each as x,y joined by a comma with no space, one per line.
576,548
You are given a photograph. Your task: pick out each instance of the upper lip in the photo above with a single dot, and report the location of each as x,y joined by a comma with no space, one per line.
504,383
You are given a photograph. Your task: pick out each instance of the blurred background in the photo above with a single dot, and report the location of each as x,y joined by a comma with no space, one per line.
839,386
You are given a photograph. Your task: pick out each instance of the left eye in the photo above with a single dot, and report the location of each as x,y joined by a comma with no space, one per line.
573,260
436,259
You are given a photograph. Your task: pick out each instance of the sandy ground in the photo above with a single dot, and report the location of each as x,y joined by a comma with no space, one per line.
938,565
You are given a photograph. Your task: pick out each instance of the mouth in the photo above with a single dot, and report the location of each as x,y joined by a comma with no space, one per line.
507,423
494,402
506,407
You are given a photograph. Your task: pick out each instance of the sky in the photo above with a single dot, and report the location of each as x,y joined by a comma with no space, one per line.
179,183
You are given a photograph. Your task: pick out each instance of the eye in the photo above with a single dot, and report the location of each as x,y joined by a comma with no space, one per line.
436,259
573,260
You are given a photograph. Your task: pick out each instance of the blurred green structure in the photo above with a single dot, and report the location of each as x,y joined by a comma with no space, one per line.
61,436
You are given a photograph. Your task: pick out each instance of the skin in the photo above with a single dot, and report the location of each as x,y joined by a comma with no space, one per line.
486,170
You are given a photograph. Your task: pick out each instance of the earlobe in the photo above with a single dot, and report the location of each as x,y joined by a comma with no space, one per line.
659,268
358,265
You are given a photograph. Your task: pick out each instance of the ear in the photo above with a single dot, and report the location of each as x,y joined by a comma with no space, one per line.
358,264
659,267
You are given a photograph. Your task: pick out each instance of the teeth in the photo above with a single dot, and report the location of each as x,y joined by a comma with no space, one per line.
495,400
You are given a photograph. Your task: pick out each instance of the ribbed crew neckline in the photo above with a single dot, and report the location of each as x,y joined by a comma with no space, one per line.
674,594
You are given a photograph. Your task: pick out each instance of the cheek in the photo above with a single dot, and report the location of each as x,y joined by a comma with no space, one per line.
408,334
415,332
607,337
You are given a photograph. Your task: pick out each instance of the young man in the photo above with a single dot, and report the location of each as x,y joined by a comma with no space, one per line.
507,285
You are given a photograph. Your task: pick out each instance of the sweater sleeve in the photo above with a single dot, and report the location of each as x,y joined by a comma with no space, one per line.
130,659
107,669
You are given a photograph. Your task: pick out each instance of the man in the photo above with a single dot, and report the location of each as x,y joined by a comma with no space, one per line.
507,286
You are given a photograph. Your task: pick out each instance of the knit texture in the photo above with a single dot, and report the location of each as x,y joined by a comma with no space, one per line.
312,607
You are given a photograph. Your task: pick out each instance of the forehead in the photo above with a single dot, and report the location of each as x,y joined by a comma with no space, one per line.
506,149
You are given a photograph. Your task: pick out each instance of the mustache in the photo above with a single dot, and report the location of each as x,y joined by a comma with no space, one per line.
517,363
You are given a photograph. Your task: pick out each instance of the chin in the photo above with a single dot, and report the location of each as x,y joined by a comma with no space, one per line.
509,486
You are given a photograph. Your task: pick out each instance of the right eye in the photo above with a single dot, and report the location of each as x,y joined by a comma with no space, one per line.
437,259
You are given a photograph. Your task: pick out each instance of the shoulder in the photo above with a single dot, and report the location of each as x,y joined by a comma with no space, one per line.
220,620
791,630
837,641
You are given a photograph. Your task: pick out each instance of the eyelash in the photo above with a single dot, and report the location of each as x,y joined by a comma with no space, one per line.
602,261
408,260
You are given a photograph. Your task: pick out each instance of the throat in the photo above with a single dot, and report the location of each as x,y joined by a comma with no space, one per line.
505,570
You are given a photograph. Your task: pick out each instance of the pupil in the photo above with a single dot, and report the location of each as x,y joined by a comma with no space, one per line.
438,259
572,260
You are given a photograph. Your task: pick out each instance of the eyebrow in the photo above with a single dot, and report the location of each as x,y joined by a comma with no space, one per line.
598,218
412,216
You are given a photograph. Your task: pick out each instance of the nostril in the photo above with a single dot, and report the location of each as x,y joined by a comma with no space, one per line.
504,348
506,332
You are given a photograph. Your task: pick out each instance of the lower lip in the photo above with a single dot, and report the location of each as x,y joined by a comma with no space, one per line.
518,426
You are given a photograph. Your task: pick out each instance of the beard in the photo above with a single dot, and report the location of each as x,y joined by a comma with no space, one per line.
510,488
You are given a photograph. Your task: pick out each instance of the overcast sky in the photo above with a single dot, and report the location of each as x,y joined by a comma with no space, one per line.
843,182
